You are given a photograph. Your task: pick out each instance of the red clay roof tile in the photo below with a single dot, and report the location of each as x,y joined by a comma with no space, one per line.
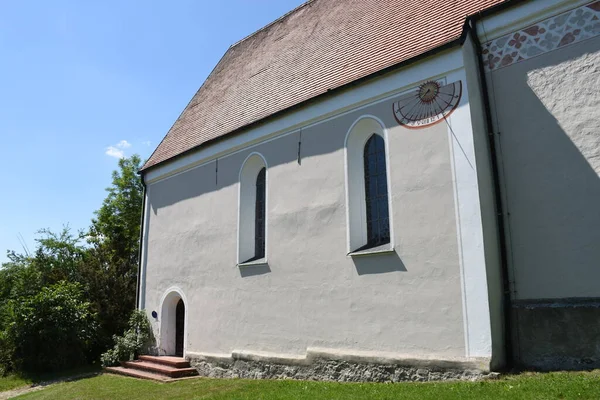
321,45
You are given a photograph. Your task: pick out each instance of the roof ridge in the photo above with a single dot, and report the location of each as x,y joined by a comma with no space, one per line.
273,22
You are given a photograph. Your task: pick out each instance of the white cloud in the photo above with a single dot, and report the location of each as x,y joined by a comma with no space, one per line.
112,151
117,150
147,143
123,144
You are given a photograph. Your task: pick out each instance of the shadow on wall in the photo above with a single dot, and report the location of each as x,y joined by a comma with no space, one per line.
222,173
254,270
548,119
365,265
380,264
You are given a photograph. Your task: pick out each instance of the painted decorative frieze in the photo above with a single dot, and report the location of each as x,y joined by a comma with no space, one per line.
561,30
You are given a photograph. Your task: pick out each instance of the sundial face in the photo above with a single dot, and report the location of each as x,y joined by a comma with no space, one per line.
429,104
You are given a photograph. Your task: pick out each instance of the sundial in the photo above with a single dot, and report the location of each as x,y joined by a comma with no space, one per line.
428,104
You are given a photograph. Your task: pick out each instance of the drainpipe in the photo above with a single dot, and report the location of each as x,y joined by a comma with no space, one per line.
508,342
141,244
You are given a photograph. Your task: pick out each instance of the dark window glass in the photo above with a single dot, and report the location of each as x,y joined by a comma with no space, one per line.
376,193
259,227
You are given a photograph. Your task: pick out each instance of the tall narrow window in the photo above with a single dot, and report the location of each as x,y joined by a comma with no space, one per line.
252,239
376,193
259,216
369,210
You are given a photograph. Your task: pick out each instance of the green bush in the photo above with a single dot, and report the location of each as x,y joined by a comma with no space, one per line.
6,351
50,331
136,340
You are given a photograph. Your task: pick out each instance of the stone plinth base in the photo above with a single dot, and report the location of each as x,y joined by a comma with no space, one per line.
341,367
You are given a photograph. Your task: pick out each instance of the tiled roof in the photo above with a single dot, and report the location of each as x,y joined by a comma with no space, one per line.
319,46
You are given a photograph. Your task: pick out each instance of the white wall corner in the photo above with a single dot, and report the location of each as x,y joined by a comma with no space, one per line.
144,254
476,311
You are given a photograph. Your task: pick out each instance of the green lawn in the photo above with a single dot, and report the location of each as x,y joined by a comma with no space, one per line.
12,382
561,385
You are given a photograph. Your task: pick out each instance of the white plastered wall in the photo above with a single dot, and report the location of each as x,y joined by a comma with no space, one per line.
422,301
545,115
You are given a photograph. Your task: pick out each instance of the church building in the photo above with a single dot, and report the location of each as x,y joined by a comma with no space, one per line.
389,186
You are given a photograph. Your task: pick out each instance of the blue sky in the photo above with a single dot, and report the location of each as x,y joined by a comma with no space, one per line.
83,82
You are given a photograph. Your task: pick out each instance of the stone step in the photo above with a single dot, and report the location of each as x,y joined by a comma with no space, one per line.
136,373
163,369
176,362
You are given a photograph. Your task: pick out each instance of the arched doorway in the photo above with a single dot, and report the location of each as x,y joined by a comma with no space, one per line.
173,323
179,327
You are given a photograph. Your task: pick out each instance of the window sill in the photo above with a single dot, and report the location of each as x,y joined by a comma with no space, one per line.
253,263
378,250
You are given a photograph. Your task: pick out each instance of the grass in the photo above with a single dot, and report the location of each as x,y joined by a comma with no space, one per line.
529,386
11,382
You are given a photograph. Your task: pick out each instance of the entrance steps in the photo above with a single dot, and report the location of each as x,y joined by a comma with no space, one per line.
162,368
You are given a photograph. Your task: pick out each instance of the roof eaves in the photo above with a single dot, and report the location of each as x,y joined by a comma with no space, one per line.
495,9
330,92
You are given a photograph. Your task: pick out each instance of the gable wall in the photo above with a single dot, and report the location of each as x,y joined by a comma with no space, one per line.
312,294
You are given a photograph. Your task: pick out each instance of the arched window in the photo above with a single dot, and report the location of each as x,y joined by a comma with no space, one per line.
259,216
368,204
252,235
376,192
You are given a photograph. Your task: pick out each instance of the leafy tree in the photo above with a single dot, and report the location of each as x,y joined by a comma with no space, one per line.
110,269
57,257
17,278
117,223
52,330
101,264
